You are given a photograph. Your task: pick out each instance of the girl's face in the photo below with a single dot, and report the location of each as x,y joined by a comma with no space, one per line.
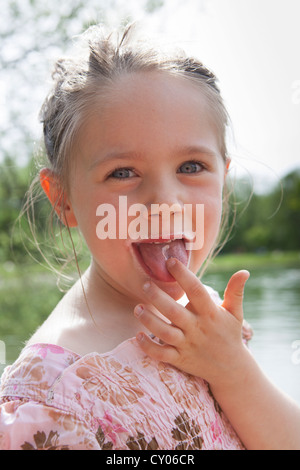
153,141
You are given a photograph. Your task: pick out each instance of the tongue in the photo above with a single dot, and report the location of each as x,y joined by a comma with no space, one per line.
155,256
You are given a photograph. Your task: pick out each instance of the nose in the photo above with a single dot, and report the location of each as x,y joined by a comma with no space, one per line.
164,207
163,198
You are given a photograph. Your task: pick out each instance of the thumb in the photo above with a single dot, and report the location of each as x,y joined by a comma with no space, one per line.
234,294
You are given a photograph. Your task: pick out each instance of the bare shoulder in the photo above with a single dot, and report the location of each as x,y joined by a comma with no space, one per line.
53,327
64,322
68,328
71,326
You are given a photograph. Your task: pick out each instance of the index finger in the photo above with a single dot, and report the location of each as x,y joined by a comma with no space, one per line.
166,305
192,286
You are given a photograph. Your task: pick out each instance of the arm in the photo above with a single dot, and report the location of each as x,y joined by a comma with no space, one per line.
263,416
205,340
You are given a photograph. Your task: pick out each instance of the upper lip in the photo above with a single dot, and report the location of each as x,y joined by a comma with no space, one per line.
162,239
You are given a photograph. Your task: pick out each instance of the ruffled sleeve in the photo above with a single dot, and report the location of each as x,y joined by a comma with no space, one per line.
29,419
26,425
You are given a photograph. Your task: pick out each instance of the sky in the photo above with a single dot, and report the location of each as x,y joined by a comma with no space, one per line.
253,46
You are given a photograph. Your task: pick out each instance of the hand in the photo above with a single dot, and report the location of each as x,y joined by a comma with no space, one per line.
202,339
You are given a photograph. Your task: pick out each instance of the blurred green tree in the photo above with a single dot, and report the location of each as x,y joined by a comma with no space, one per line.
32,34
269,221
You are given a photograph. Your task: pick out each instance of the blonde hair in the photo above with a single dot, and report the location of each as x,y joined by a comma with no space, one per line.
79,81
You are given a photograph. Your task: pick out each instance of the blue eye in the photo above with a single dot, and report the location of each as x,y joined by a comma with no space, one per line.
122,173
191,167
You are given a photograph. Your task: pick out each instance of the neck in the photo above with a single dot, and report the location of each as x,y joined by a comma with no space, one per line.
110,310
108,306
106,291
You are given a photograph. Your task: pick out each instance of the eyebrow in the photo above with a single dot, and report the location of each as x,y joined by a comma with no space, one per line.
191,149
188,150
114,156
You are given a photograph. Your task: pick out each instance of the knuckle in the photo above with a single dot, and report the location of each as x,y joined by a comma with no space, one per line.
158,353
173,313
171,335
196,289
168,336
239,294
164,354
167,354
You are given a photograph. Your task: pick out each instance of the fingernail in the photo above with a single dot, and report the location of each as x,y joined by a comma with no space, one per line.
140,337
171,262
138,310
146,286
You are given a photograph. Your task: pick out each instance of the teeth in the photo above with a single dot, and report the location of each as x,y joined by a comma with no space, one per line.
168,241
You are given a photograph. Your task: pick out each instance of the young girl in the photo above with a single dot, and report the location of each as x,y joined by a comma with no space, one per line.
120,363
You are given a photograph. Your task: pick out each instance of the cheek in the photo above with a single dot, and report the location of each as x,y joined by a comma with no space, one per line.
212,213
98,223
211,228
211,220
91,207
211,197
87,222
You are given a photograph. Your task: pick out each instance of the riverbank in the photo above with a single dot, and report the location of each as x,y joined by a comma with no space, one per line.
254,261
11,272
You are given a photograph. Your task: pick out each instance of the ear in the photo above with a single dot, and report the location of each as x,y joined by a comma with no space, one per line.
56,195
227,165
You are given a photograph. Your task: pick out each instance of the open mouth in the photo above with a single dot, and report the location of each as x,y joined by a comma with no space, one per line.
152,255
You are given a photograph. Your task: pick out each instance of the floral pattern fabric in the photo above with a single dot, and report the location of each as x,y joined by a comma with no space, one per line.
52,398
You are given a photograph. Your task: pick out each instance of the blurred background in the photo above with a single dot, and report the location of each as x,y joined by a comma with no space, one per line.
253,48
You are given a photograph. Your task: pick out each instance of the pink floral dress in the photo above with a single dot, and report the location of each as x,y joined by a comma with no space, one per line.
52,398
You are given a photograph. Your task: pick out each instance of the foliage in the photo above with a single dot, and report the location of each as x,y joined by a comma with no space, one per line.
13,186
29,232
266,222
33,34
